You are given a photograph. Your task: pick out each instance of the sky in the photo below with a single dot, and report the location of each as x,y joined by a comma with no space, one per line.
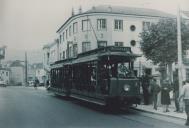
30,24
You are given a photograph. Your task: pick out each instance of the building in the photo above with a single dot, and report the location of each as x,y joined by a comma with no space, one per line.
50,55
105,26
31,73
5,75
40,73
17,73
4,71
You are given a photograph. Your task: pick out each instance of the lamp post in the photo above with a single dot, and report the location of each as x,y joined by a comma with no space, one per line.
179,47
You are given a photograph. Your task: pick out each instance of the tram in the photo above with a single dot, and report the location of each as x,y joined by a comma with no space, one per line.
103,76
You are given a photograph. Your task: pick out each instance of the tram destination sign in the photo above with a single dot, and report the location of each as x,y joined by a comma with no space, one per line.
120,49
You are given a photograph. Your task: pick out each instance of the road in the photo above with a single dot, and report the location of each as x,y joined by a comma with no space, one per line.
25,107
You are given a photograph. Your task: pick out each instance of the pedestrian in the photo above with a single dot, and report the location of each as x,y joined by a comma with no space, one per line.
47,83
185,96
176,94
155,89
181,102
165,97
145,87
36,83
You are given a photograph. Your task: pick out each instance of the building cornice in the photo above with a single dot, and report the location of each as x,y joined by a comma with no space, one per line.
110,13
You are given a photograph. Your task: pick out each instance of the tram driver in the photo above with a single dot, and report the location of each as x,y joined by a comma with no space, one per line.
124,72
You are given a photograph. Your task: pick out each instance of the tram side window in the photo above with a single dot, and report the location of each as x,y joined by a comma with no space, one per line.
113,70
103,71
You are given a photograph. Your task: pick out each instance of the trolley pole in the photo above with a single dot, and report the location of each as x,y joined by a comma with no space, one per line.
179,43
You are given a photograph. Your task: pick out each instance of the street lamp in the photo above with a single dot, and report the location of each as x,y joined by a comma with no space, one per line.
179,47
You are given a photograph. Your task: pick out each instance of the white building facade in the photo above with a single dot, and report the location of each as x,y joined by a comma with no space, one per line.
17,73
50,55
107,26
5,75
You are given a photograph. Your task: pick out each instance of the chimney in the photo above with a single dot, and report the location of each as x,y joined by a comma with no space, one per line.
72,11
80,10
93,8
109,8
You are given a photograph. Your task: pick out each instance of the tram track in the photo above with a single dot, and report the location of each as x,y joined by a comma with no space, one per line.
131,114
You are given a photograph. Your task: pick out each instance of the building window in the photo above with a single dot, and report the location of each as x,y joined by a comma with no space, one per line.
187,74
70,30
85,25
60,56
66,33
187,54
132,28
70,51
119,44
102,44
86,46
60,39
7,73
48,55
101,24
133,42
75,50
63,36
118,25
63,55
75,27
66,53
146,25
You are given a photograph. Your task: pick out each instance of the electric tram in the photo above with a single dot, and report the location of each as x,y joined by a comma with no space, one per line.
103,76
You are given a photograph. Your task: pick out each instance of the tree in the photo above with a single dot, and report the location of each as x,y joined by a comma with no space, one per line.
159,41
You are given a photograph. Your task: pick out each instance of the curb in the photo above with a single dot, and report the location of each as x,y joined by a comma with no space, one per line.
161,114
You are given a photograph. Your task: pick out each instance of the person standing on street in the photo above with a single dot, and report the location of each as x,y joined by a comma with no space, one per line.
165,97
176,94
185,96
145,87
155,90
36,83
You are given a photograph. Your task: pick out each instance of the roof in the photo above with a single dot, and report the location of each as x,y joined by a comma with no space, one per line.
46,46
16,63
122,52
130,11
6,69
125,11
37,65
50,44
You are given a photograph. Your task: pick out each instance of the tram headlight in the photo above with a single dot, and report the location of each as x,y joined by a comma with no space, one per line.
126,87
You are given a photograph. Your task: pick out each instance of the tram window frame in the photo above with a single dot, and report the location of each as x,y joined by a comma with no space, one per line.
130,71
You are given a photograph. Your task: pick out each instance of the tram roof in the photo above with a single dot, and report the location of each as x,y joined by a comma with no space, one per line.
95,54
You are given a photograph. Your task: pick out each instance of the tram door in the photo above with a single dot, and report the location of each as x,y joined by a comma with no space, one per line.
103,78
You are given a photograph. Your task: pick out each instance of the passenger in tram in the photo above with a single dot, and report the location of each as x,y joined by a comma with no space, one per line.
124,72
93,80
113,70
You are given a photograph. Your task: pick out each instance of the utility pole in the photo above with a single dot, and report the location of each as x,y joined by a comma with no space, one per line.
26,70
179,43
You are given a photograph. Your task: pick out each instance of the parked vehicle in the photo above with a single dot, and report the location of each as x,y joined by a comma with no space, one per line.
31,83
3,83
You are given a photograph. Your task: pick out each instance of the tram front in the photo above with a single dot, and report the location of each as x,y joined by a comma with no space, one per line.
122,84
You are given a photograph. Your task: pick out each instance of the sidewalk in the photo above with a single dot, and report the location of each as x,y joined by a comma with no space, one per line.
171,113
